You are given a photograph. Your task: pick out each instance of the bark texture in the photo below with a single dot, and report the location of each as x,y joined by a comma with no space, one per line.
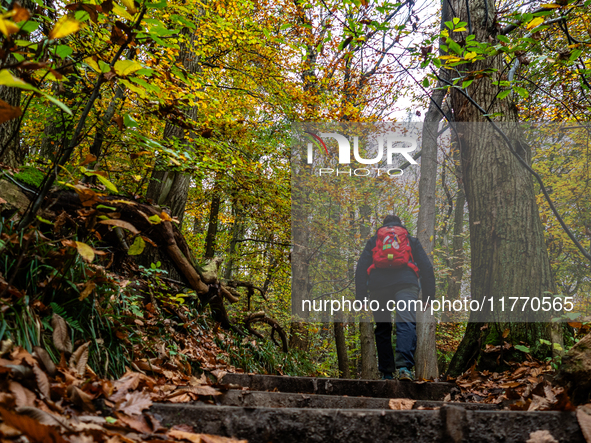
171,188
508,253
369,362
341,345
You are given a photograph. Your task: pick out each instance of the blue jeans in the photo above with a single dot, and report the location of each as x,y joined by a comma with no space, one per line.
406,328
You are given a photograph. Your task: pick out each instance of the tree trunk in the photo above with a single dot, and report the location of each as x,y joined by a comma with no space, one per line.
171,188
426,354
212,228
454,280
341,345
11,151
369,362
508,253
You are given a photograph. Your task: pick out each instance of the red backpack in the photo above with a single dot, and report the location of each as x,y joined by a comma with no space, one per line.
392,249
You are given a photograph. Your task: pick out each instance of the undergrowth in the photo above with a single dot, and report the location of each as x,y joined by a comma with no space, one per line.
128,319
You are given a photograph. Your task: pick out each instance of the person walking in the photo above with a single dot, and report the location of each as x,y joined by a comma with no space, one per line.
393,267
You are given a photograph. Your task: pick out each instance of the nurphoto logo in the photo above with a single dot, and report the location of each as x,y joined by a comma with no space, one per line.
383,150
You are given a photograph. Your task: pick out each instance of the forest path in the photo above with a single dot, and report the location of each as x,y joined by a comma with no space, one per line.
264,408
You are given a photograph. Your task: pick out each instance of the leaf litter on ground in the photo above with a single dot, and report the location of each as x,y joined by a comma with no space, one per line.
69,403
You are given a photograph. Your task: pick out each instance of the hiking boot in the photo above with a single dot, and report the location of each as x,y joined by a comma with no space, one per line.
387,376
405,374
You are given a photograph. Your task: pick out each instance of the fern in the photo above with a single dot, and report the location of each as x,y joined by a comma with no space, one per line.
57,309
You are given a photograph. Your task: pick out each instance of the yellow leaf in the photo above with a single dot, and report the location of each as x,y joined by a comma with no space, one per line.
8,27
85,251
431,238
535,22
130,5
550,6
64,27
462,29
92,63
87,290
137,247
118,10
7,79
470,55
126,67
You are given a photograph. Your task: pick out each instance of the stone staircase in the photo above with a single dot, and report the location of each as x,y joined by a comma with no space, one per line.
306,409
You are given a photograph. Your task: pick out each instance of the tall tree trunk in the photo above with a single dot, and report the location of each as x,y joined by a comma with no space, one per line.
171,188
426,354
237,233
341,345
369,362
212,228
454,281
508,253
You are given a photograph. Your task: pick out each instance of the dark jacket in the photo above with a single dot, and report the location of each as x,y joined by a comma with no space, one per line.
380,277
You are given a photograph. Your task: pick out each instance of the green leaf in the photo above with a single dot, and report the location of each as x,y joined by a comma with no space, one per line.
466,83
426,82
503,38
30,26
63,51
155,219
575,55
521,91
503,94
455,47
129,121
110,186
557,347
106,207
522,348
110,420
42,220
7,79
137,247
159,5
545,342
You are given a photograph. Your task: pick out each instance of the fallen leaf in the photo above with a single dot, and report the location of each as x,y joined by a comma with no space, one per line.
35,431
22,396
542,436
121,224
80,398
42,381
400,404
43,357
85,251
87,290
61,338
45,418
202,438
584,420
134,403
79,359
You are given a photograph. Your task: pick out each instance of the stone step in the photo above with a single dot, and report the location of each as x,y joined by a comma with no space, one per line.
293,425
339,386
258,399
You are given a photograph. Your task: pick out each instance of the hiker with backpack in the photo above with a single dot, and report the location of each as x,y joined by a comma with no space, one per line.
392,267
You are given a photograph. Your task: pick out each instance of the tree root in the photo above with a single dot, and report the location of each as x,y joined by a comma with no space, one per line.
261,317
